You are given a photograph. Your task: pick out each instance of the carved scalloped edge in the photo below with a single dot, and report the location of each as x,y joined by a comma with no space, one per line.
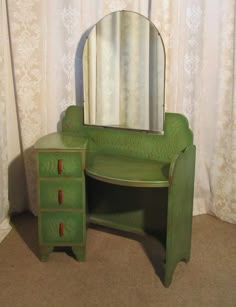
73,119
184,120
177,136
75,112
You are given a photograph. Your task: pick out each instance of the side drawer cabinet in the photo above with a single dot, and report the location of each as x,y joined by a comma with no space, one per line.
61,198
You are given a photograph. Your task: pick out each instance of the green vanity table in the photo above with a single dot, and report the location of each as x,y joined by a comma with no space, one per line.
138,178
118,157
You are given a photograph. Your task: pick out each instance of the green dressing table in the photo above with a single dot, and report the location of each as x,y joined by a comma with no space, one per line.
92,173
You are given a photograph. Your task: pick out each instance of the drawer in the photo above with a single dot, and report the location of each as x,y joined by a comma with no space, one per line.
61,194
62,228
60,164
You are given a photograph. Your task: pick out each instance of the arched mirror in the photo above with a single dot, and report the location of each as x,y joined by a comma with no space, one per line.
124,73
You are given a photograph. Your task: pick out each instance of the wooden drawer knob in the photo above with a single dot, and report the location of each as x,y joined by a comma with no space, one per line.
60,197
59,166
61,229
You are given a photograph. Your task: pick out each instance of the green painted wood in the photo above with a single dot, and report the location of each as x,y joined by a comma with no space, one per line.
79,252
62,141
69,148
70,190
180,204
127,171
44,252
73,228
124,157
48,164
134,144
73,121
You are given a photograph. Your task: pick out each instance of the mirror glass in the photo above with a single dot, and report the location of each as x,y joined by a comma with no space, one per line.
124,73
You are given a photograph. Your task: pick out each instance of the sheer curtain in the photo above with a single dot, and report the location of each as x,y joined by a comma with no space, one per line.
200,37
41,60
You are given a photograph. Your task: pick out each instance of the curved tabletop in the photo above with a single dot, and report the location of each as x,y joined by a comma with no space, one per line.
127,171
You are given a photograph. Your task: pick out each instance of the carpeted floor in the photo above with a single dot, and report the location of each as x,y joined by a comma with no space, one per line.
117,271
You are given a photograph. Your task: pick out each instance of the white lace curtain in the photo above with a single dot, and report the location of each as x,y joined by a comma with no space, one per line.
40,60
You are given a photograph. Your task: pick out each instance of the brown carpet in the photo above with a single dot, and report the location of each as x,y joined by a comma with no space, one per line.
117,271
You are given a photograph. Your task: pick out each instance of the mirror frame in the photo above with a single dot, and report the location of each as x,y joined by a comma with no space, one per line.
164,76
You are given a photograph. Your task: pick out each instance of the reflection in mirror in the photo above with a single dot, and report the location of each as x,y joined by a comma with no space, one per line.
124,71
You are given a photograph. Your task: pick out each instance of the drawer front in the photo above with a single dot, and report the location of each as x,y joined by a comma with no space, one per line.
60,164
60,227
61,194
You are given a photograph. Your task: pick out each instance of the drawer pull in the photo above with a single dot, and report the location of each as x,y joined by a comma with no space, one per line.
60,197
59,166
61,229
